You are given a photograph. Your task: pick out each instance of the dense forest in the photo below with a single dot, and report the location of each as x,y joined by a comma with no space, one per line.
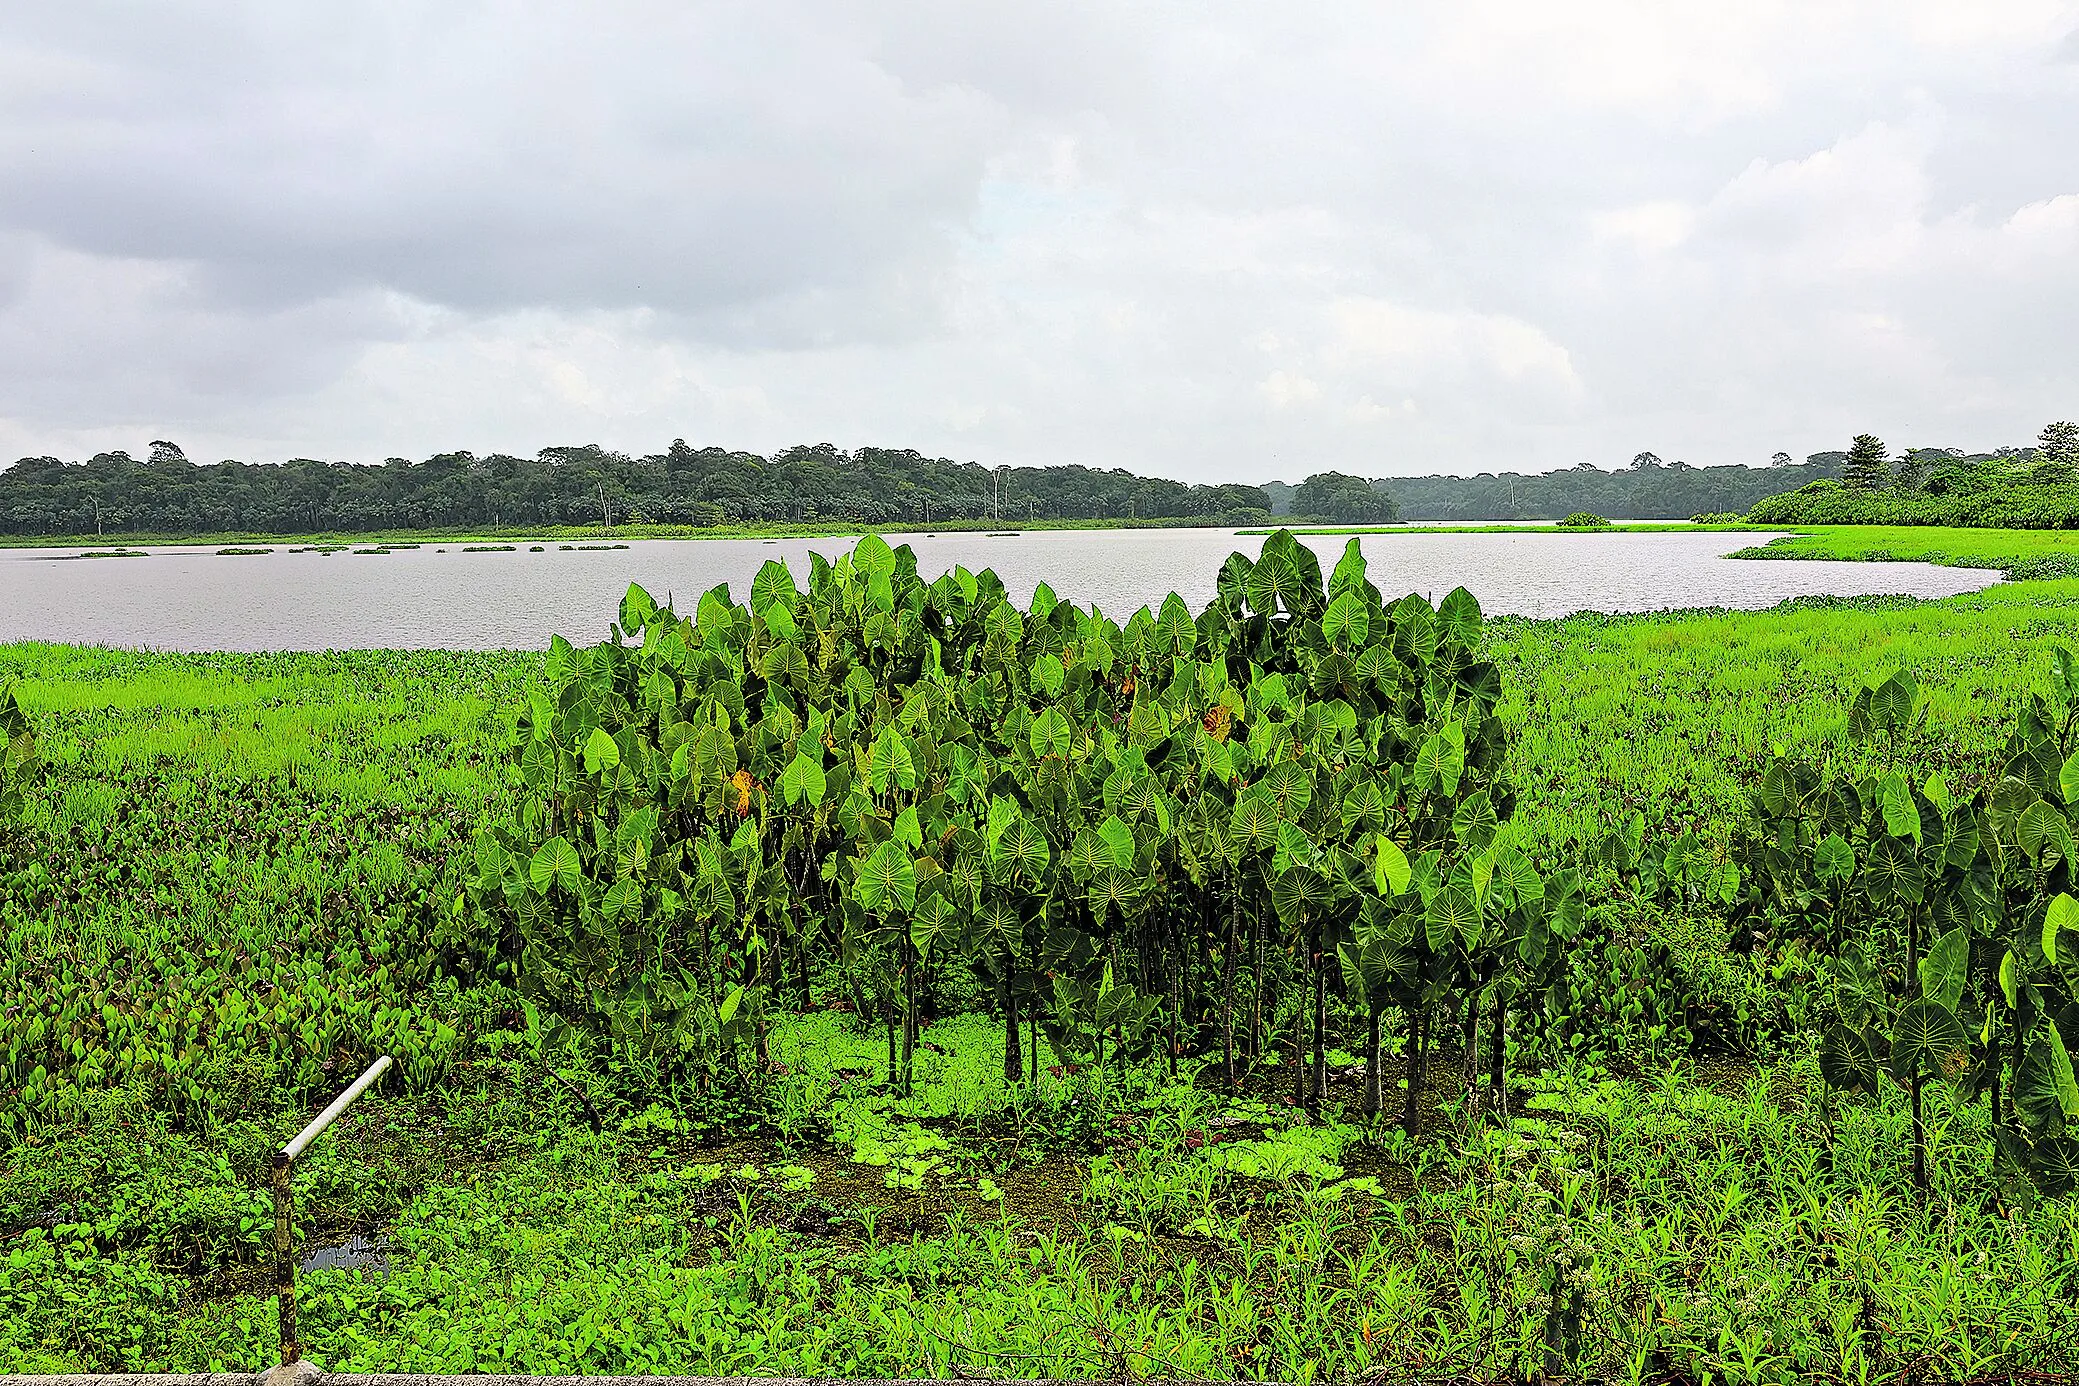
2015,488
1649,489
167,493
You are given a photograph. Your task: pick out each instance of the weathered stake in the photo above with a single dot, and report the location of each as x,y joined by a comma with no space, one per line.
284,1210
284,1260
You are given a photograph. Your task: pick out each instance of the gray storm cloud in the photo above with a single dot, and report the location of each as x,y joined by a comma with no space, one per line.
1212,242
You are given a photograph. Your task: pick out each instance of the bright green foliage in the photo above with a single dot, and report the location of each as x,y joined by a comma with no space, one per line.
1927,904
20,763
236,877
878,774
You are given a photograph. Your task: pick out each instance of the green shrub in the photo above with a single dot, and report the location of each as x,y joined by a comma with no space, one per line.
1581,519
1718,517
1979,496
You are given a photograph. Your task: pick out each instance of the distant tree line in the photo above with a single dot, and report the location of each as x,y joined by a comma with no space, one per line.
167,493
1649,489
2013,488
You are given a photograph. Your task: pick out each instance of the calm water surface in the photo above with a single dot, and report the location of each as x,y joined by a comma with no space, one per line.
189,599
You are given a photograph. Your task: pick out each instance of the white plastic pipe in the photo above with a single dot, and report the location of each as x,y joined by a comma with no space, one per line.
339,1104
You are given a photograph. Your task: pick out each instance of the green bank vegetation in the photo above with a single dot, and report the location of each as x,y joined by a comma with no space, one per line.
1555,527
2020,553
2015,488
620,1141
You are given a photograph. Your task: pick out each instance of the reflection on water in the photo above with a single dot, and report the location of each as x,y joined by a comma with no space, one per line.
438,596
355,1253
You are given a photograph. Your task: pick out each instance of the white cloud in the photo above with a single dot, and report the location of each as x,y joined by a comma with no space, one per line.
1287,388
1215,241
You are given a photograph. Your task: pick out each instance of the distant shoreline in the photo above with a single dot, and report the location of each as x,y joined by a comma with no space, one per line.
570,534
567,534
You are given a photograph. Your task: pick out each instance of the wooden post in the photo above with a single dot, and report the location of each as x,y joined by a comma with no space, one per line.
284,1259
284,1220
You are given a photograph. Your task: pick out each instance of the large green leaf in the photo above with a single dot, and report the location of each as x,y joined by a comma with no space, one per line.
1833,859
934,916
1347,622
1274,584
1254,825
1515,879
2041,825
1048,675
555,862
1391,867
1300,894
1927,1039
1845,1059
2045,1091
2063,914
773,587
1289,789
1119,838
1892,872
1174,628
1295,848
889,763
1364,807
2054,1165
1112,889
1051,735
1021,848
1473,822
803,781
908,830
1901,814
1452,915
886,879
1459,618
1892,702
601,753
1943,970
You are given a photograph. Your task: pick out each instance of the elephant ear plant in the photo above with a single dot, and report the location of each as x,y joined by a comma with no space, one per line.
20,762
2028,976
876,780
1946,920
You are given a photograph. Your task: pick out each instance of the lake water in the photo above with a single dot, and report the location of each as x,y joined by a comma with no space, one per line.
192,599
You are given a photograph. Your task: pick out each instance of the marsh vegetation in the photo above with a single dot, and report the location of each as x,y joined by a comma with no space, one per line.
883,977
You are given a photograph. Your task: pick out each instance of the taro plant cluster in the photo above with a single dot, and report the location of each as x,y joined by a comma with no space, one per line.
1177,834
1946,922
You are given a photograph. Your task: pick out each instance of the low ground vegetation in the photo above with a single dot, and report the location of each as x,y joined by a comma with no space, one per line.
672,1135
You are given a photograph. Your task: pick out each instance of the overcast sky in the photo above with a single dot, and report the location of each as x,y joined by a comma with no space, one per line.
1220,242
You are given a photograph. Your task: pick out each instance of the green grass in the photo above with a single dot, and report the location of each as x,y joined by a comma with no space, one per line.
239,859
1675,715
1614,527
2021,553
236,883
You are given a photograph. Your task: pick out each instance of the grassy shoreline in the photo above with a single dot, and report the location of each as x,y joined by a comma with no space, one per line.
1417,527
2020,553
